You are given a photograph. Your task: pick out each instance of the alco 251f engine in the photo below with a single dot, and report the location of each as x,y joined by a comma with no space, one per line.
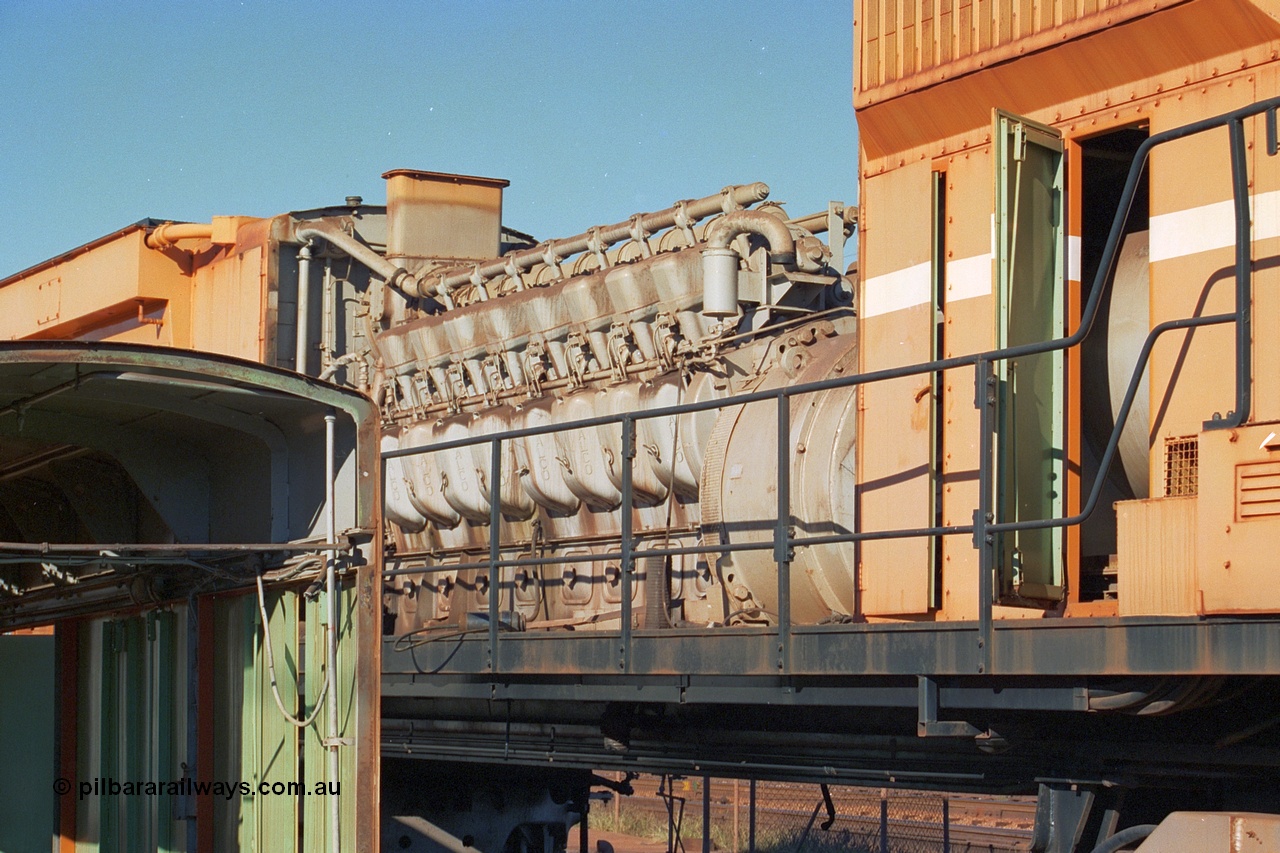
706,299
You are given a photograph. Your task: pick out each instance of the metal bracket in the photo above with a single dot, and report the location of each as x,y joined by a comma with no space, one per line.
684,221
1019,142
927,707
596,246
985,387
513,273
576,349
1061,815
835,235
551,259
620,350
640,236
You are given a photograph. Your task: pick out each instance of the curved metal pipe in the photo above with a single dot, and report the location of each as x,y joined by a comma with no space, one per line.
164,236
720,263
1166,696
819,223
330,231
782,246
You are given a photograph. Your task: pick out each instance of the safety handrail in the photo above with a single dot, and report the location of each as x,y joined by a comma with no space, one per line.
985,526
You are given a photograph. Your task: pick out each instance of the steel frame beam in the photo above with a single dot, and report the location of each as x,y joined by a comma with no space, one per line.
1098,647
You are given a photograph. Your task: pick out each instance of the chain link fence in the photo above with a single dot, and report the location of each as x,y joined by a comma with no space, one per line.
779,817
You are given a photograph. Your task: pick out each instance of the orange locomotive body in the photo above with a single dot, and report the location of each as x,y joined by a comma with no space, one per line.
959,257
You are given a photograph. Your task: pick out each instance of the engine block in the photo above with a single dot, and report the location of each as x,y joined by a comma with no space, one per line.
609,332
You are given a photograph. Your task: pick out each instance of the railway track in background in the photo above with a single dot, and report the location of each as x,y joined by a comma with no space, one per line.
915,819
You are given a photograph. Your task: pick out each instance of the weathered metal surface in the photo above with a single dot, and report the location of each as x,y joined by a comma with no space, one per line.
270,750
364,654
434,216
1129,67
1214,832
102,289
1084,647
161,422
641,521
904,46
543,261
1064,701
860,743
157,421
1157,547
1238,512
354,717
619,336
990,521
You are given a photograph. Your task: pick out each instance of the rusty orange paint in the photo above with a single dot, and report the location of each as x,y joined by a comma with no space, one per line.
368,693
434,215
93,292
184,285
1089,73
1085,79
894,60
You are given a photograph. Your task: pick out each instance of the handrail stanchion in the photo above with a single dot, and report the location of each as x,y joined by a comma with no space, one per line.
627,566
495,553
782,533
1244,282
983,539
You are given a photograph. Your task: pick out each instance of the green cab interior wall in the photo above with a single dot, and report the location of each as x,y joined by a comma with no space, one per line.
26,742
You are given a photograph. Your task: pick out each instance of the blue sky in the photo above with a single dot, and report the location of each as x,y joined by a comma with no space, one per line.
114,111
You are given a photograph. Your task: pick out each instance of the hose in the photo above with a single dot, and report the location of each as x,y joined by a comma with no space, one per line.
271,669
403,643
1168,696
1125,837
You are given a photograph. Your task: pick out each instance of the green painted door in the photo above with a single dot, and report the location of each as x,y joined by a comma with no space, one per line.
1030,236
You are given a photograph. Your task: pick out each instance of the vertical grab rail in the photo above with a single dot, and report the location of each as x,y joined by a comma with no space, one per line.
1244,280
495,553
782,532
983,539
